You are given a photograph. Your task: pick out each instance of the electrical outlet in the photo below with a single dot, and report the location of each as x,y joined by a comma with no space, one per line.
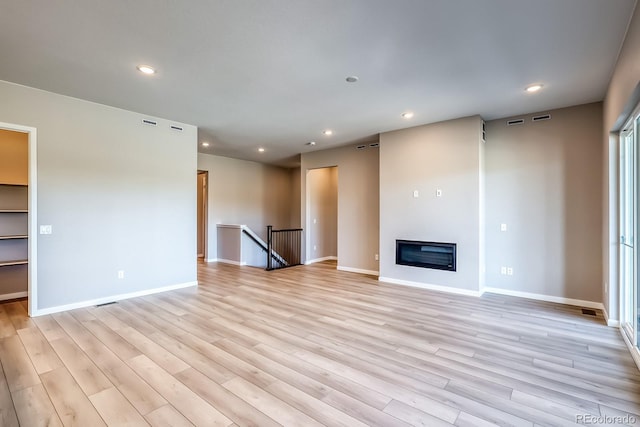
416,193
503,270
120,274
438,193
376,257
509,271
503,227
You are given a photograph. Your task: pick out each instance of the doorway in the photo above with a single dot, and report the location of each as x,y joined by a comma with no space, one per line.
18,270
322,214
203,180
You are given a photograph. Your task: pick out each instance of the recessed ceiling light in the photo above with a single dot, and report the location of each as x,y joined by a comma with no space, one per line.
533,88
407,115
145,69
261,150
205,144
352,79
327,132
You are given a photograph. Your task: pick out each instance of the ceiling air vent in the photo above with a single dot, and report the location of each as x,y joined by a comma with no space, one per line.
178,128
515,122
374,145
149,122
361,147
541,118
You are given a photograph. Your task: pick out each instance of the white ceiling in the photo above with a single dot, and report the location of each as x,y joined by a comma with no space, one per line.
271,73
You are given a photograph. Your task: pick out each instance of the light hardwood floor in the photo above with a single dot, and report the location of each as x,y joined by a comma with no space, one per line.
312,346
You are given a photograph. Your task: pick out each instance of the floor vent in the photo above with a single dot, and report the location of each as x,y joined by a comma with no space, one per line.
149,122
515,122
178,128
106,303
588,312
541,118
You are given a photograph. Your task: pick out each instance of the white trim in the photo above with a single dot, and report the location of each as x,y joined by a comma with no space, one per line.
431,287
14,295
326,258
104,300
610,322
358,270
228,261
548,298
635,352
32,287
211,260
230,226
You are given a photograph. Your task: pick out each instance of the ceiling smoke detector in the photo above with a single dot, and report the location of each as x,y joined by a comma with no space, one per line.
352,79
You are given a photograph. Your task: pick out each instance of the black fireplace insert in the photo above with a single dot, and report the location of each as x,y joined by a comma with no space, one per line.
438,255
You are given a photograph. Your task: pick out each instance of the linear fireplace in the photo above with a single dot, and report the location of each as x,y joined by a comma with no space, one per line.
441,256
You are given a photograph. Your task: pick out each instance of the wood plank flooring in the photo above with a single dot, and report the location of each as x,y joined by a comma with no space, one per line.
312,346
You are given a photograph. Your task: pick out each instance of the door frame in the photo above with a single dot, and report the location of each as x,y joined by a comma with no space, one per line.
32,290
205,214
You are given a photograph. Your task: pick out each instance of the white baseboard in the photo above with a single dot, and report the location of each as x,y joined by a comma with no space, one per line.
635,352
89,303
431,287
547,298
326,258
211,260
14,295
228,261
358,270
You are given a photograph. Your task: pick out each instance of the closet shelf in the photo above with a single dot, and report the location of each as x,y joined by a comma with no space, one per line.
14,211
15,262
14,237
13,185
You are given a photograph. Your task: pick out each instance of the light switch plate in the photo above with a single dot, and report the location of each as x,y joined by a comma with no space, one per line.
503,227
46,229
416,194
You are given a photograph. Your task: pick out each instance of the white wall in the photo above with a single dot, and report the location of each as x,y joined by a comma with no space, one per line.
622,94
120,195
244,192
358,202
544,181
425,158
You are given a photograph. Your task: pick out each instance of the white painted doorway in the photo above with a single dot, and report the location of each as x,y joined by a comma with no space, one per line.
203,185
322,214
31,212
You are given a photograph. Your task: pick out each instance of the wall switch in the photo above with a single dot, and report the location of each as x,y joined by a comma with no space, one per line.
46,229
509,271
120,274
438,193
416,194
503,270
503,227
376,257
